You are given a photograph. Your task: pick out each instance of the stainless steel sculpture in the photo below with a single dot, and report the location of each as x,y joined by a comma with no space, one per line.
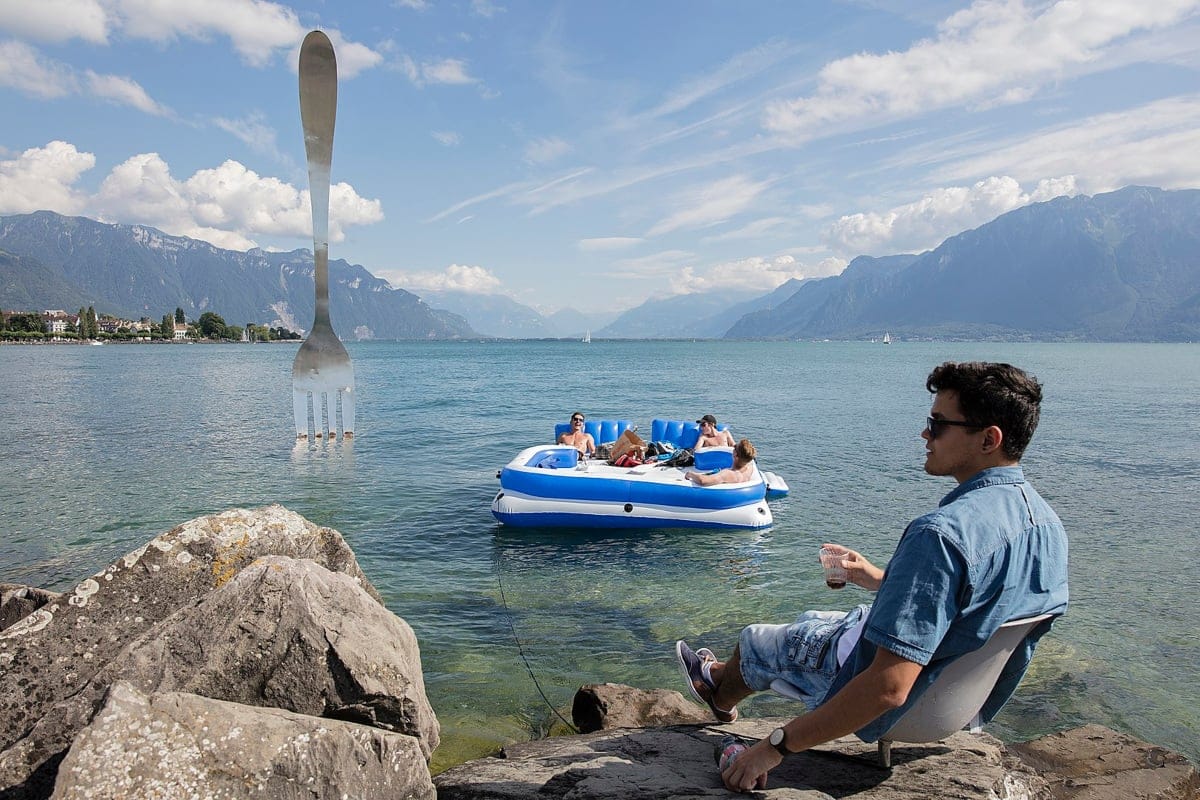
322,375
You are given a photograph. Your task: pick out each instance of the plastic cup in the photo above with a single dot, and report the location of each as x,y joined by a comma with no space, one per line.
831,562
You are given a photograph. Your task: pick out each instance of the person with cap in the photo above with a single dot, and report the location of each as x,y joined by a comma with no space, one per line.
710,436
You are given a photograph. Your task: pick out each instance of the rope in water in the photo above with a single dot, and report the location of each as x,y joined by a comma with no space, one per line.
508,615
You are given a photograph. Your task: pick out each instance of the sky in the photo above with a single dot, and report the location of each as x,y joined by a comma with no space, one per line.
593,155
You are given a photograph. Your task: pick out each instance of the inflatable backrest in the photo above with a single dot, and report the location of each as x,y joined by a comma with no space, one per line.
708,458
689,435
677,431
602,430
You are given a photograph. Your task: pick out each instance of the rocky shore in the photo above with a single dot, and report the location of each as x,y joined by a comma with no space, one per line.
245,654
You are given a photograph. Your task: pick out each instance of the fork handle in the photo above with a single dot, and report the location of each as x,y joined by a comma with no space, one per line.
318,112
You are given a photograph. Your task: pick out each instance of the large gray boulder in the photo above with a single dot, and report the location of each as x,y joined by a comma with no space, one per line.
176,745
205,609
678,762
54,651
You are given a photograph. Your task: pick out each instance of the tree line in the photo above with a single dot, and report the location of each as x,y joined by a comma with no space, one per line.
30,325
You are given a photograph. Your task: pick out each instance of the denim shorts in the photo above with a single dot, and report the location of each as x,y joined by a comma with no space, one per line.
803,653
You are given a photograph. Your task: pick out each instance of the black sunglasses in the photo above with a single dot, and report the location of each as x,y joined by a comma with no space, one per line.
576,419
935,425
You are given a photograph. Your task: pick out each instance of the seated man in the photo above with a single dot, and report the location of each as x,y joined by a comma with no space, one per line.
577,437
991,552
742,469
710,436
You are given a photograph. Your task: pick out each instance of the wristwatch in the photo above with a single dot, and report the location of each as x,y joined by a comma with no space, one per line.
778,740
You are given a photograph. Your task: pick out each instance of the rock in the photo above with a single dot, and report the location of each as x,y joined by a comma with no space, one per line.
18,602
1095,763
55,650
604,706
179,614
678,761
175,745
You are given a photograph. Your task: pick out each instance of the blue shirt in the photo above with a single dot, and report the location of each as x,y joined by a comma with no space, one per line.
993,551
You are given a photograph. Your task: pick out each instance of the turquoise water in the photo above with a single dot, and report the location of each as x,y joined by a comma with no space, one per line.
105,447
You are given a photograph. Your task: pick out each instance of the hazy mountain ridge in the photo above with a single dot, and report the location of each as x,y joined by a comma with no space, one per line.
1122,266
135,271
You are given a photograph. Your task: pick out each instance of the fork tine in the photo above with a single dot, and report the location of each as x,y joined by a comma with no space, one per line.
347,397
300,410
321,413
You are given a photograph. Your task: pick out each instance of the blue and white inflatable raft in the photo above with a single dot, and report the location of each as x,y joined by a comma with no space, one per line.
553,486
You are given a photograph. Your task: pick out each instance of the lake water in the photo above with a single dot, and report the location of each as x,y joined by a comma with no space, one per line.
106,447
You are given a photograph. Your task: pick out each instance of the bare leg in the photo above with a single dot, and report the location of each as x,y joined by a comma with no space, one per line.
727,676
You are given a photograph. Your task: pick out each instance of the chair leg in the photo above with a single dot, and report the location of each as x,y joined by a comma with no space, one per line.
885,753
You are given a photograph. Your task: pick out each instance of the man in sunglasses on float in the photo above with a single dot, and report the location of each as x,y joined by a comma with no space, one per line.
992,551
577,437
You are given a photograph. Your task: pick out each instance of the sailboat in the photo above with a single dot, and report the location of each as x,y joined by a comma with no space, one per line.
887,338
587,337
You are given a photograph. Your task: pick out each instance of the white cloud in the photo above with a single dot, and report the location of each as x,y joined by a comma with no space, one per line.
486,8
609,243
43,178
228,206
256,28
545,150
925,223
124,92
1157,144
710,204
415,5
448,138
254,131
451,71
25,69
456,278
755,272
56,20
654,265
991,53
448,70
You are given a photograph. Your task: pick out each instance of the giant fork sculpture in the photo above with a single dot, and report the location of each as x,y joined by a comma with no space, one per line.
322,374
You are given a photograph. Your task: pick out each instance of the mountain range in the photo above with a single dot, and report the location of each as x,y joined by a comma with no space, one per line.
52,261
1121,266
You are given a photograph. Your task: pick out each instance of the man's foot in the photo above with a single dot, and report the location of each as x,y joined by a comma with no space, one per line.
699,682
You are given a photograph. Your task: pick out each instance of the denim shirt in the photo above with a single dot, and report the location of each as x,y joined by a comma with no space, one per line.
993,551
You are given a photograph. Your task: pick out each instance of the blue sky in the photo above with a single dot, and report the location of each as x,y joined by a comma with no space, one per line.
595,154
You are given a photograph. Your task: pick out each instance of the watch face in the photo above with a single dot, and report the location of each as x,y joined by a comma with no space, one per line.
777,737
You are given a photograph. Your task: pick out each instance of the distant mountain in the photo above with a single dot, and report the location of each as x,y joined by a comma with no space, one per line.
27,284
493,314
1122,266
703,315
571,323
135,271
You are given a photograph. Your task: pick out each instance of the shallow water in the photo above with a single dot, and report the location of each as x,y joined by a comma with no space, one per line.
107,447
